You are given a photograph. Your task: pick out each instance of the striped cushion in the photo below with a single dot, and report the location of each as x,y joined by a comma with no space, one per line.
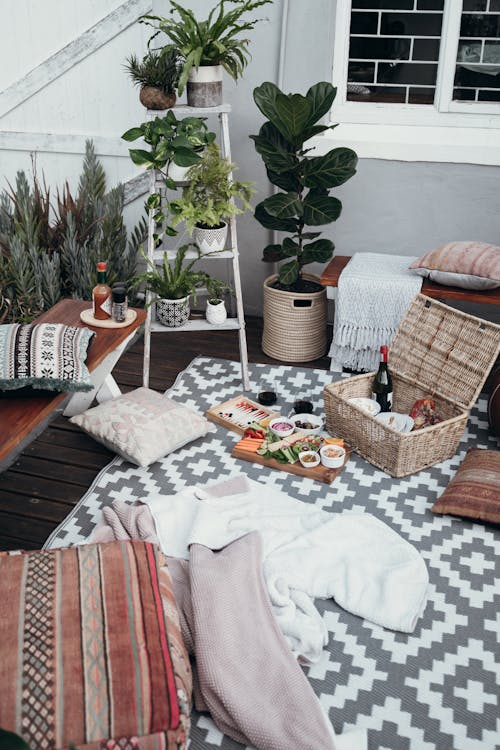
474,491
470,265
44,355
86,650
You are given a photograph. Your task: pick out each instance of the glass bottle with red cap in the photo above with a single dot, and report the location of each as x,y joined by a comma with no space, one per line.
382,383
101,294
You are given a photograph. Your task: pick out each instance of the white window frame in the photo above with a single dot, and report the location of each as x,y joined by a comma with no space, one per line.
449,131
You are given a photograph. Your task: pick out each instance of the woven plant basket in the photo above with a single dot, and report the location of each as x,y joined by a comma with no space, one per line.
294,324
438,352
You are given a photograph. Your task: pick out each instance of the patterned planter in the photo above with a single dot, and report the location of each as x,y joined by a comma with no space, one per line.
210,240
172,313
204,87
216,313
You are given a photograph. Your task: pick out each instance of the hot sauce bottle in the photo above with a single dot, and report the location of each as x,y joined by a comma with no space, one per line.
101,294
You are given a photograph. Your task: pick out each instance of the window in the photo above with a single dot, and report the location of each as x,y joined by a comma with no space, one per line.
413,64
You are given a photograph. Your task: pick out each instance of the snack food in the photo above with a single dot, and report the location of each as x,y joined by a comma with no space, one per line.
424,414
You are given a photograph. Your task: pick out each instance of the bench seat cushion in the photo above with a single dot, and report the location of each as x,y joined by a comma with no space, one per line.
48,356
88,656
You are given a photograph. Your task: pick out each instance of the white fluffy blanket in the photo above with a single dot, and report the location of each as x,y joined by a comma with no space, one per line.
373,295
358,560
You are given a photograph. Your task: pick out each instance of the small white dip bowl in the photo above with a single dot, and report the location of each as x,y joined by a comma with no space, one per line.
332,456
310,419
281,421
309,459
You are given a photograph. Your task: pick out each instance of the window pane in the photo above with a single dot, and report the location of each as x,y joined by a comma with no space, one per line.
477,73
393,50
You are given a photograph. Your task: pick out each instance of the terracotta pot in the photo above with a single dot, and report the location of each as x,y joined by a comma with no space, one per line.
153,98
204,86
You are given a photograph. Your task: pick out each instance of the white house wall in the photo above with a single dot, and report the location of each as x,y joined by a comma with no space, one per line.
389,206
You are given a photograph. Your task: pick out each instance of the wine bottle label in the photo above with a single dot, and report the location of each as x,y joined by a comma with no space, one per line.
384,399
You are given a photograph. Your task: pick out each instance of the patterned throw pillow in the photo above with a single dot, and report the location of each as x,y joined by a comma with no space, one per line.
91,649
469,265
142,426
49,356
474,491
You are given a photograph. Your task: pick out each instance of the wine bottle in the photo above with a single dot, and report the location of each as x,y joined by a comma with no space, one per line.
382,384
101,294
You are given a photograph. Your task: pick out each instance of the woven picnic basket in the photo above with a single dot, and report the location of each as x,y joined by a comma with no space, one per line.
438,352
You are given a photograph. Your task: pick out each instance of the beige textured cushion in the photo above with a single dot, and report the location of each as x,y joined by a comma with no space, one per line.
470,265
142,426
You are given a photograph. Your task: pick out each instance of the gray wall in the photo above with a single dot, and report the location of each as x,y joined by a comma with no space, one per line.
388,206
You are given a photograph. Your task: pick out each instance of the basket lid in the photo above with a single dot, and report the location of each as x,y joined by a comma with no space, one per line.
445,351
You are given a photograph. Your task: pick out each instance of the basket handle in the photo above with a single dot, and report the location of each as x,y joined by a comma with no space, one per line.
302,303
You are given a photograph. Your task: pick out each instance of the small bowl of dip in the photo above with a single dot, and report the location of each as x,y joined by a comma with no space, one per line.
281,426
332,456
309,459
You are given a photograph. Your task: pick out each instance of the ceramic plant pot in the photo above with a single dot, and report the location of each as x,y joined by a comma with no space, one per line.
177,173
210,240
154,98
294,323
216,312
204,86
172,313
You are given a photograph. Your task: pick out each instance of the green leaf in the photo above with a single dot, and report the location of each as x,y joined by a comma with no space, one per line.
290,247
141,157
271,222
286,181
133,134
320,251
321,209
310,235
184,157
289,273
320,97
11,741
330,170
288,113
272,253
277,153
283,205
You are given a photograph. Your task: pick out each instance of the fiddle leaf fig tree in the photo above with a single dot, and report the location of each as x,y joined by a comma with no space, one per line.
305,180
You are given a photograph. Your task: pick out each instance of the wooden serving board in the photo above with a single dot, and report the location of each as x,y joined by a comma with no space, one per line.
320,473
239,412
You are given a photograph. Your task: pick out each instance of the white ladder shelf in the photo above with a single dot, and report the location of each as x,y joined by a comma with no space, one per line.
230,255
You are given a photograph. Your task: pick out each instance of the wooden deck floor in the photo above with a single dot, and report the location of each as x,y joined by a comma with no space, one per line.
53,473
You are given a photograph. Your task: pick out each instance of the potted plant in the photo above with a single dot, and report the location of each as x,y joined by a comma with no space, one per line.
295,302
172,284
209,200
157,75
207,47
171,142
216,309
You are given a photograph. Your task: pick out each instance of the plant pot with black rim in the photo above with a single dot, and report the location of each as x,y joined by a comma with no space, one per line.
295,313
208,47
210,199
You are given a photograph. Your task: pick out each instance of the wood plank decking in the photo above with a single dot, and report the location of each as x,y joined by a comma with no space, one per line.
53,473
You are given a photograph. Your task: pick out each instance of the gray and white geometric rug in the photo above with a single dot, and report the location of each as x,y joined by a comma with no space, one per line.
435,688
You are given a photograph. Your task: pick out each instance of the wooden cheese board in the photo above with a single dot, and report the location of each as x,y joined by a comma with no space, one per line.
239,413
320,473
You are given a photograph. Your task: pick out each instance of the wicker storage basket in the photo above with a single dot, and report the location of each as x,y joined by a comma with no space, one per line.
294,324
438,352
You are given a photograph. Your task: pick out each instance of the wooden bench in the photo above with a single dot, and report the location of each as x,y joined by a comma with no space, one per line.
331,274
25,414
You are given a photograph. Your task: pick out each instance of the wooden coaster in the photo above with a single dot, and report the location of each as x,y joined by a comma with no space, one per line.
87,316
